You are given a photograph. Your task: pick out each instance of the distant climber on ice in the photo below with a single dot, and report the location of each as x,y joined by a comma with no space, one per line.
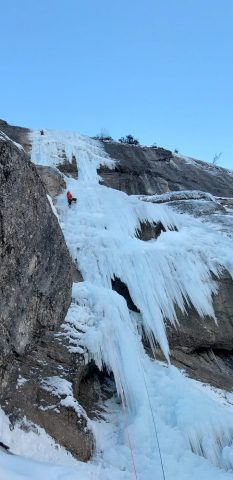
42,132
70,198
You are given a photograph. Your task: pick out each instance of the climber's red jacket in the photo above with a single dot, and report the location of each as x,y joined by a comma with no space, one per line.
69,196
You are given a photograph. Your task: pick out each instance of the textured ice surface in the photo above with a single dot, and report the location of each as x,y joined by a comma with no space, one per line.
195,431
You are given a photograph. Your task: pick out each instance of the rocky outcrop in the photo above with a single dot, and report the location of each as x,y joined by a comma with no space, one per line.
52,179
39,386
17,134
195,333
201,346
148,230
148,171
35,267
67,167
151,230
35,281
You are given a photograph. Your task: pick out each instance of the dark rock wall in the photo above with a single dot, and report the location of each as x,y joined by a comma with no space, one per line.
201,346
195,333
17,134
35,267
24,395
146,171
52,179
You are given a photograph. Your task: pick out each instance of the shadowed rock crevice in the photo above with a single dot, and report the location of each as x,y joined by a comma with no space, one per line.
149,231
67,167
94,389
121,288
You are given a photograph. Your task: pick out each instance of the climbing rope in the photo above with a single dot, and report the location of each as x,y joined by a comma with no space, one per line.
153,418
131,451
124,408
152,415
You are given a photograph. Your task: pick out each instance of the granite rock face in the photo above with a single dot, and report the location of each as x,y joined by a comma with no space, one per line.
196,334
35,267
148,171
52,179
19,135
39,389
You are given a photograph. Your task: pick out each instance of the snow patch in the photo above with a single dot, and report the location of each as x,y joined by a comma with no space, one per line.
52,206
180,195
62,388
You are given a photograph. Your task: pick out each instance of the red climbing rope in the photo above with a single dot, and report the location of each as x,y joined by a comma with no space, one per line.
129,440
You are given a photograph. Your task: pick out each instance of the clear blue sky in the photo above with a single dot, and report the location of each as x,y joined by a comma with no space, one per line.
159,69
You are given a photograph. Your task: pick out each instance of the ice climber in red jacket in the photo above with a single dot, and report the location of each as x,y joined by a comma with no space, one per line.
70,198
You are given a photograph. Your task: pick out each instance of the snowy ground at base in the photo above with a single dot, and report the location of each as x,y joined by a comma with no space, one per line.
100,232
175,401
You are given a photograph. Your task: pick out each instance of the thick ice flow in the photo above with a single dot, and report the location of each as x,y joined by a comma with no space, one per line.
173,270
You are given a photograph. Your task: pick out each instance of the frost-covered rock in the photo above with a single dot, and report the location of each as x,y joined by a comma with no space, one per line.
181,195
41,390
